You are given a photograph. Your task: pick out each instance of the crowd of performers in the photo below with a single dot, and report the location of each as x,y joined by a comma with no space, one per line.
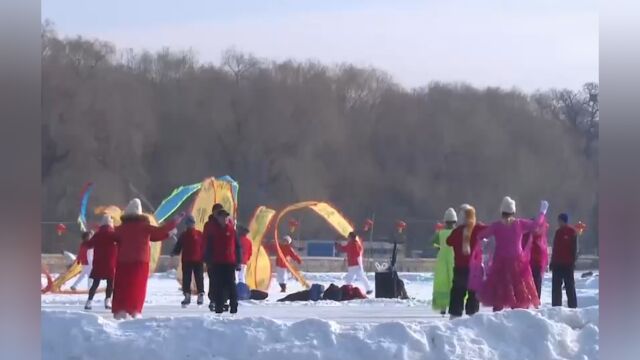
513,278
513,275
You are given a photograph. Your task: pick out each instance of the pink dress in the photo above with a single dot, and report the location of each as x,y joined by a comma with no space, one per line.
508,281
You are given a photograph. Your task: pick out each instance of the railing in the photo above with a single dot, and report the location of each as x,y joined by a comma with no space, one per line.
57,263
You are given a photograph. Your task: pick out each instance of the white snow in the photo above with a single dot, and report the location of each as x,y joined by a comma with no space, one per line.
363,329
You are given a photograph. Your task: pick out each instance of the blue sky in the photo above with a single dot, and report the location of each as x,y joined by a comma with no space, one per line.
526,44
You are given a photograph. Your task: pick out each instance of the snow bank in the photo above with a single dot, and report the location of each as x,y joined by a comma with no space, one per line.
549,333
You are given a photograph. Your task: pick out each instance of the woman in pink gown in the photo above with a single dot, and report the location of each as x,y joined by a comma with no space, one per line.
509,282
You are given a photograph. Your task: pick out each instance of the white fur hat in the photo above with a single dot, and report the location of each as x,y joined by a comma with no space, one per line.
287,239
134,207
508,205
450,215
106,221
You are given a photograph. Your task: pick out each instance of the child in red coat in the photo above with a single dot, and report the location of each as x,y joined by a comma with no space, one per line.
191,245
105,251
355,269
247,250
84,258
134,252
282,273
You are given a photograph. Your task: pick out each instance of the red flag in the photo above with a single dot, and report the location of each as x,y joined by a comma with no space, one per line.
293,224
400,226
61,229
368,224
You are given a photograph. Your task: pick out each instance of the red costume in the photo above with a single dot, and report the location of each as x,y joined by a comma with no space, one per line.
539,251
354,250
191,244
455,241
132,269
564,246
222,242
246,249
105,251
287,252
82,258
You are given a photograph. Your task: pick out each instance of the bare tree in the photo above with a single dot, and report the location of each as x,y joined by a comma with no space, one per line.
238,63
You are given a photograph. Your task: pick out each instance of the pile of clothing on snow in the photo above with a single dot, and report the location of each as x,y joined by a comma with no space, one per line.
333,292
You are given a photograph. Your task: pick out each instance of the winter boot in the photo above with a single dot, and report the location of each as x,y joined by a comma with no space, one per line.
107,303
87,306
73,288
369,292
443,312
186,301
220,310
212,306
283,288
233,309
200,299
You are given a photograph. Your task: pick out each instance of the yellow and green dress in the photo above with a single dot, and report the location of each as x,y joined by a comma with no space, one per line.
443,274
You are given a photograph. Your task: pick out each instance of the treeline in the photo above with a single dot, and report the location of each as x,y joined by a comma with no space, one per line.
136,122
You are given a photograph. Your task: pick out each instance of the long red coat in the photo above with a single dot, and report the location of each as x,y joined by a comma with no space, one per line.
132,268
354,250
105,251
134,237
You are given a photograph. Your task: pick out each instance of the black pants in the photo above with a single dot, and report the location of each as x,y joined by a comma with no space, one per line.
197,269
563,274
459,290
94,288
211,276
536,271
224,284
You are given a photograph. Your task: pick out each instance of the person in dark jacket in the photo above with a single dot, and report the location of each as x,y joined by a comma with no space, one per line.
225,254
563,260
104,260
190,244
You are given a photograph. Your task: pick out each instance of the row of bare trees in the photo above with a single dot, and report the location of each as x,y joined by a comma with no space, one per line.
142,123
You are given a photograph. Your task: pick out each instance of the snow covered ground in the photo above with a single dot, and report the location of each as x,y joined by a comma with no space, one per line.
362,329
